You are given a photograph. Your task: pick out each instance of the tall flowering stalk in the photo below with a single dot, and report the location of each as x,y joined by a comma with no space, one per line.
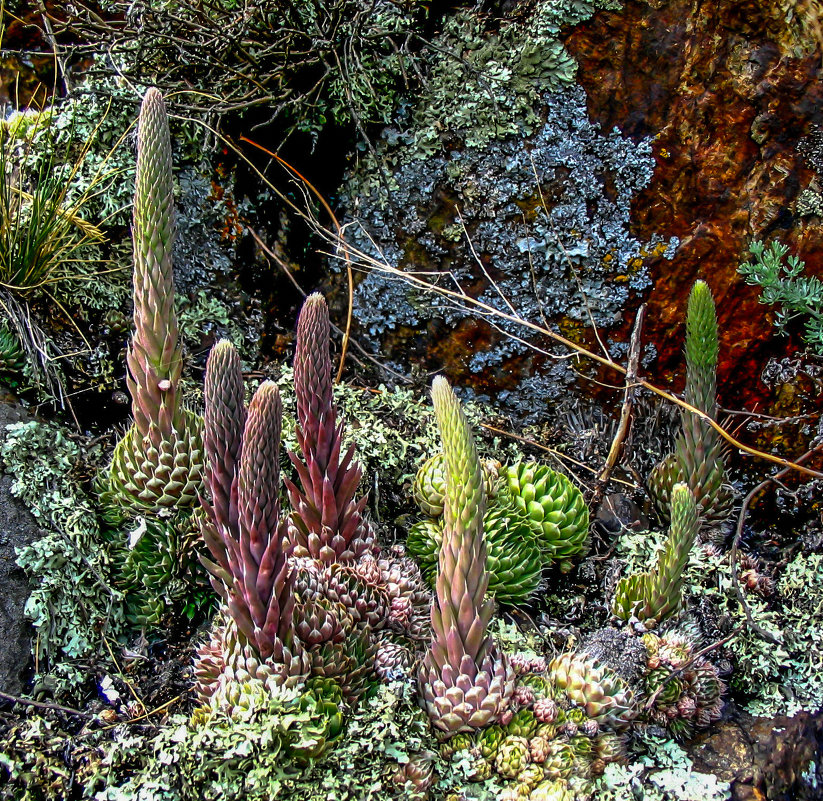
327,522
159,462
698,455
244,529
465,682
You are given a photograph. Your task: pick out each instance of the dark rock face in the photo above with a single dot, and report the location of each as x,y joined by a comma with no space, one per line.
774,758
17,529
536,227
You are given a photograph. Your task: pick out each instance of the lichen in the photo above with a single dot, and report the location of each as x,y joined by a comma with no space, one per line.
663,773
72,604
549,219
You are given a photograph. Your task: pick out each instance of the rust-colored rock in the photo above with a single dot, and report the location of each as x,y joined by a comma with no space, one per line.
774,758
728,92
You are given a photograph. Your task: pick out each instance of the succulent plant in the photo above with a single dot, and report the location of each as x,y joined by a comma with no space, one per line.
392,661
488,740
523,724
514,561
12,358
560,762
698,455
593,687
155,572
327,523
465,682
337,649
552,790
159,462
244,530
454,745
555,509
416,776
430,486
653,596
512,756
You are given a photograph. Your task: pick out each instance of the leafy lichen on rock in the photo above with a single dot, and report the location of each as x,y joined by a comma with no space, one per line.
549,220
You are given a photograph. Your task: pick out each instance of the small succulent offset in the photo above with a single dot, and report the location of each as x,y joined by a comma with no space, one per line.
327,522
159,462
698,456
12,358
465,681
649,598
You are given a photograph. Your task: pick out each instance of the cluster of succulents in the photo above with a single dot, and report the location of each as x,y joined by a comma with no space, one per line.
313,610
697,459
683,690
308,595
535,517
565,722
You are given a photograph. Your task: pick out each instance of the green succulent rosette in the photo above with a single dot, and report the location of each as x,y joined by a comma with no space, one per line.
595,688
555,509
12,357
514,561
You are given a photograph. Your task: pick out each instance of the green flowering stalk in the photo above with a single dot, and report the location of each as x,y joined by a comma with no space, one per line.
159,462
698,455
465,682
651,597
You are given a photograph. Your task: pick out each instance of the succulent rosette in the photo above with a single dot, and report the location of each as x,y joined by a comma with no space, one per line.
555,509
594,688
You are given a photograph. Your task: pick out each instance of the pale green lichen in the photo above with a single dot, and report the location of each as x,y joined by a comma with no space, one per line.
663,773
72,604
249,757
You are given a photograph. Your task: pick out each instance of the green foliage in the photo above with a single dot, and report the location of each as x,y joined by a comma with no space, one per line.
44,230
72,604
257,755
783,284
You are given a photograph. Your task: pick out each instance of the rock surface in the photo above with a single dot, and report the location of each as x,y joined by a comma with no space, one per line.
699,132
17,529
774,758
